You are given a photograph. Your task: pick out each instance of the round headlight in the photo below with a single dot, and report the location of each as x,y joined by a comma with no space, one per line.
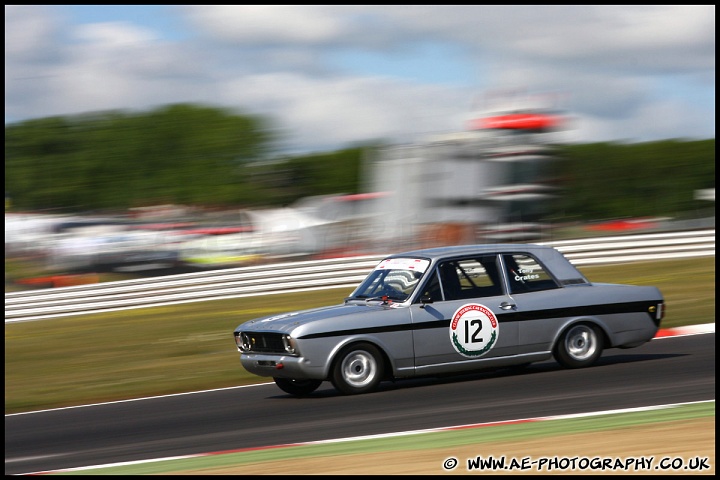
246,343
288,343
242,341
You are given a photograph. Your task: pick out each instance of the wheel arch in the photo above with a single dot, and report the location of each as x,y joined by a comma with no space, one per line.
604,331
388,363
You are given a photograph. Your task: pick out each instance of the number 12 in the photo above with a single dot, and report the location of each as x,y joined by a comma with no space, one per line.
478,326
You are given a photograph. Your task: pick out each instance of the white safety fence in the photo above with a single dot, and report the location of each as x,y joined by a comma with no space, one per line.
311,276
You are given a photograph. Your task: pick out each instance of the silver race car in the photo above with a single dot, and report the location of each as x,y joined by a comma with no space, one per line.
449,310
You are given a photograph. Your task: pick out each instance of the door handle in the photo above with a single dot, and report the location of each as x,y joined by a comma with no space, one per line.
508,306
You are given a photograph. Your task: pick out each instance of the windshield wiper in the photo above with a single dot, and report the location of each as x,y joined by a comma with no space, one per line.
383,298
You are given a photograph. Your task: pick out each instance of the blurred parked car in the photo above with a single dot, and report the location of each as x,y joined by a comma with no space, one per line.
447,310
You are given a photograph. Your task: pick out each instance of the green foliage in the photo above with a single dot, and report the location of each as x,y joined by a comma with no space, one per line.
177,154
286,180
612,180
320,174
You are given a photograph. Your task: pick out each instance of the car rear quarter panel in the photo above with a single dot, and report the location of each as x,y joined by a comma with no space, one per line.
620,310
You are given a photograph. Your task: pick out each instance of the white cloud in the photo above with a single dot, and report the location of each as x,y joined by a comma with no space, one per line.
336,111
29,31
267,24
113,35
642,72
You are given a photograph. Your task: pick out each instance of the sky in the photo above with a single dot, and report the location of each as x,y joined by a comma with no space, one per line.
328,77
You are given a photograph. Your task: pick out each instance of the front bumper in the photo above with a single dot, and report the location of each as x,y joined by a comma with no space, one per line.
283,366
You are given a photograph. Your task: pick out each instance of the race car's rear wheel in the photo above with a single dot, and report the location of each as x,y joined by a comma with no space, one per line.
358,369
579,346
296,387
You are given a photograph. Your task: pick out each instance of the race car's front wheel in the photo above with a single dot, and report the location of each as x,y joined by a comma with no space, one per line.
358,369
296,387
579,346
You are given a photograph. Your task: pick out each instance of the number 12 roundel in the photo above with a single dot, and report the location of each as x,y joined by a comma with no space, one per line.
474,330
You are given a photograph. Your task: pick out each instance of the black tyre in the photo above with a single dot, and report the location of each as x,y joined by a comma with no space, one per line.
579,346
299,388
357,369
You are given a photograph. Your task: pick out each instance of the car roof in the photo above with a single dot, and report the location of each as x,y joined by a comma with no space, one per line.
456,250
560,266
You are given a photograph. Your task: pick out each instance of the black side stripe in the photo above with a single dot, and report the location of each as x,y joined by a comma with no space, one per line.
592,310
354,331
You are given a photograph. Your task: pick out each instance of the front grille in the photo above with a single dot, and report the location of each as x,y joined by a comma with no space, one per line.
265,342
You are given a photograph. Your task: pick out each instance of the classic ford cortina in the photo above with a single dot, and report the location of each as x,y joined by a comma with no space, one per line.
448,310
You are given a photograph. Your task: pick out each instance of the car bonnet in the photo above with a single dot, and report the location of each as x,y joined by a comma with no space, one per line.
287,322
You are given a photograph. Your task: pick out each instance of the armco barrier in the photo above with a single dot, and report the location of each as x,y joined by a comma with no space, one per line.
310,276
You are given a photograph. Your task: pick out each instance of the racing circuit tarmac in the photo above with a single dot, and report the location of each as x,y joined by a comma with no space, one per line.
261,416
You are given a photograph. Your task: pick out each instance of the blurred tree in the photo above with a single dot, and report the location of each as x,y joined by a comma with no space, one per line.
176,154
285,180
615,180
325,173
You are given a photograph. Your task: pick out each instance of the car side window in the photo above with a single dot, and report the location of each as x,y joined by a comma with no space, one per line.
470,278
526,274
432,288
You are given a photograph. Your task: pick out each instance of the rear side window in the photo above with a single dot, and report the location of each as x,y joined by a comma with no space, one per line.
470,278
526,274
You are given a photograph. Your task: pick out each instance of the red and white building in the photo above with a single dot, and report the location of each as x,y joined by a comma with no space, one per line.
488,182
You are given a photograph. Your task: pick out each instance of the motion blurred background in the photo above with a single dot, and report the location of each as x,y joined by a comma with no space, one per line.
151,140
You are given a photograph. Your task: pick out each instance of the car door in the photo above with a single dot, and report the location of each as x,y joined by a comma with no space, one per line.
538,302
463,325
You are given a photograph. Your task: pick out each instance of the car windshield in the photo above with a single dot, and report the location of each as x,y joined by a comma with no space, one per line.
394,278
